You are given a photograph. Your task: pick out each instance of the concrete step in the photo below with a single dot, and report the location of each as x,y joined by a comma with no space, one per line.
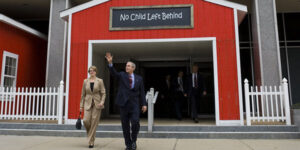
115,131
156,134
199,128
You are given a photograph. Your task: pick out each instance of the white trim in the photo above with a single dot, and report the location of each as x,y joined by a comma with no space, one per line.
81,7
49,41
216,82
21,26
9,54
238,62
153,40
229,4
92,3
277,42
72,121
68,68
214,49
90,57
65,43
229,123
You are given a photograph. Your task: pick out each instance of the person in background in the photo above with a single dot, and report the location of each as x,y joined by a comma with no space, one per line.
179,94
166,94
195,89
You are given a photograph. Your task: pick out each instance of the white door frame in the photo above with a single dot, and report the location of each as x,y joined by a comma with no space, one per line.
200,39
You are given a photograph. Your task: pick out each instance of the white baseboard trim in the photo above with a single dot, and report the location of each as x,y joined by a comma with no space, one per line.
229,123
72,121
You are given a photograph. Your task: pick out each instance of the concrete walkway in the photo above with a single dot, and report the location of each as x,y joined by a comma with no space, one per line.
79,143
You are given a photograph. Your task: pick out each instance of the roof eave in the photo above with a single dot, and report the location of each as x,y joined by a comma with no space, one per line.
21,26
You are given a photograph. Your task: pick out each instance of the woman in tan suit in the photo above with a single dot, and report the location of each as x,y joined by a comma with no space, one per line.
92,102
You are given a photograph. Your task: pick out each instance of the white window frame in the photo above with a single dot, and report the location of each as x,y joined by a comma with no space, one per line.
9,54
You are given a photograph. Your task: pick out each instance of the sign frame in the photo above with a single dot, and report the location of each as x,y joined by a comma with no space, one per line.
153,27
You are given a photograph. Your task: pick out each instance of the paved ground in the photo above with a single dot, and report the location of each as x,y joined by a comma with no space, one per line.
74,143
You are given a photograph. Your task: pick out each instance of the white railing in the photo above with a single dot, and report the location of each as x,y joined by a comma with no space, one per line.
151,99
267,104
32,103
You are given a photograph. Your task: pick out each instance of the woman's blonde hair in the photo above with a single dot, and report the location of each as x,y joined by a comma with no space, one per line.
93,68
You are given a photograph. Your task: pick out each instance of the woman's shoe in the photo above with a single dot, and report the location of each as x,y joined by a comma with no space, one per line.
91,146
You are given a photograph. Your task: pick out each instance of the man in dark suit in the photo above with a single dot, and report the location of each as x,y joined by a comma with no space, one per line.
166,93
195,89
179,94
130,96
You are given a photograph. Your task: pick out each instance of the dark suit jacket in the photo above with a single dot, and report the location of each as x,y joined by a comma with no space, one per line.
175,85
164,89
137,94
201,86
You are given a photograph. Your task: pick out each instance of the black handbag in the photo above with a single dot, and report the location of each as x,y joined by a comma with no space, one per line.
78,122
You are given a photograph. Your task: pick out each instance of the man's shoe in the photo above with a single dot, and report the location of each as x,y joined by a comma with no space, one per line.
134,146
128,148
91,146
196,120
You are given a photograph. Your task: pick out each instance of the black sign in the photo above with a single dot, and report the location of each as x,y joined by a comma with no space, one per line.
151,17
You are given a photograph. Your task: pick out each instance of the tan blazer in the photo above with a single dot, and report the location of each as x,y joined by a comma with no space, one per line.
98,94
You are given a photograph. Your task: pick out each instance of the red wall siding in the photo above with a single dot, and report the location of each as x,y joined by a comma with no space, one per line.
32,53
210,20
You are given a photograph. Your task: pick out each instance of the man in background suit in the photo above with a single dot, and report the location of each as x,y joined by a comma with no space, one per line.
130,96
195,89
179,94
166,96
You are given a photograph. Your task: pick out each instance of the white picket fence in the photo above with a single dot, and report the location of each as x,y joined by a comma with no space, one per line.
32,103
267,103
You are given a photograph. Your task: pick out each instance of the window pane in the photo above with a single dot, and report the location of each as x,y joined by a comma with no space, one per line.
9,61
294,65
14,62
280,27
9,82
6,61
5,71
244,30
5,81
9,71
13,73
292,24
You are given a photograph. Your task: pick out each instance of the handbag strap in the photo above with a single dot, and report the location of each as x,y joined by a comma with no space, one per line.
79,115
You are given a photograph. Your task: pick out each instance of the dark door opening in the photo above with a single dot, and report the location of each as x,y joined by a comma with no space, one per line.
154,77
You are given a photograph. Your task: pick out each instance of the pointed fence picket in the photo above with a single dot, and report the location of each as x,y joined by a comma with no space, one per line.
267,103
29,103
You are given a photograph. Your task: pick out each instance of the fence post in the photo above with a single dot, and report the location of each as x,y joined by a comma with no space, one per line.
246,88
150,109
60,102
286,101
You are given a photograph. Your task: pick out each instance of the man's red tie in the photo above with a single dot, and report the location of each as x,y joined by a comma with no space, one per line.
130,81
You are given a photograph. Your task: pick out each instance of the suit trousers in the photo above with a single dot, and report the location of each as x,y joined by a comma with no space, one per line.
194,97
130,113
179,98
90,120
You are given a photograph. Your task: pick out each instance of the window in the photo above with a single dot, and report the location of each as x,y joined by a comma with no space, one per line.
9,69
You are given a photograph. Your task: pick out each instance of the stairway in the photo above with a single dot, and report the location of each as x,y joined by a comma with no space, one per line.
162,131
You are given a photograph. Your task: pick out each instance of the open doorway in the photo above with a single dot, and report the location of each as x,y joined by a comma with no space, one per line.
154,59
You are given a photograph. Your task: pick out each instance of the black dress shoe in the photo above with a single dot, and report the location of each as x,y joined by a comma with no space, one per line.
128,148
91,146
134,146
196,120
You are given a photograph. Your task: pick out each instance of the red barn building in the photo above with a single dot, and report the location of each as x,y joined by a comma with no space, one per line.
23,54
161,34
